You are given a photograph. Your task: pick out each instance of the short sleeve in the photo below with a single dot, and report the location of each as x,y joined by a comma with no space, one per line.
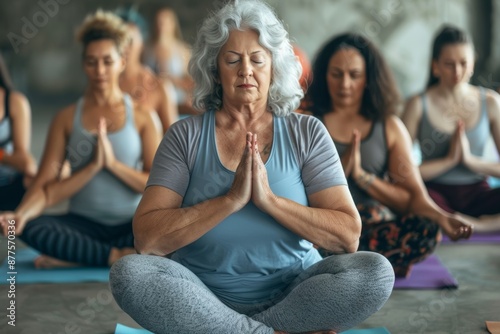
175,156
320,161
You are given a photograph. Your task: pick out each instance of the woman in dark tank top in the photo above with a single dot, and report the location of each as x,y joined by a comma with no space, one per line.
110,149
354,94
452,121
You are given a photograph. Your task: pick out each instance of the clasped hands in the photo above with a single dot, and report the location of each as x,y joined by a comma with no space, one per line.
351,159
459,151
250,180
104,156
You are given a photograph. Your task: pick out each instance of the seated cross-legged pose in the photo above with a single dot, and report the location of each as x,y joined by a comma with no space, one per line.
240,194
110,148
452,121
354,94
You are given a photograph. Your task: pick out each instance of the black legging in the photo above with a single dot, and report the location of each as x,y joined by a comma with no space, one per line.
77,239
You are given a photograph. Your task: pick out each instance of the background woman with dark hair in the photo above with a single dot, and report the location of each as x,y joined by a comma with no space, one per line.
354,94
17,165
452,121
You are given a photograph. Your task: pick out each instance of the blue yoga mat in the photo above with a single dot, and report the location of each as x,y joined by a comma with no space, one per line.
122,329
27,273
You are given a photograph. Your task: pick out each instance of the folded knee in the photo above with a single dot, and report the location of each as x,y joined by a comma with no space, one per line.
377,271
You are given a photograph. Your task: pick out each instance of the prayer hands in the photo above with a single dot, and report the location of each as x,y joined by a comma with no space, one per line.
104,155
351,159
250,180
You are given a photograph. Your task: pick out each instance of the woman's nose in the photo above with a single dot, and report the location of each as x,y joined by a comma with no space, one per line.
345,81
100,68
246,69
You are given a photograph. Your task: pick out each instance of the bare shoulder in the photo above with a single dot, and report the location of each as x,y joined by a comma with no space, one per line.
395,130
64,118
18,99
413,108
19,105
142,116
493,104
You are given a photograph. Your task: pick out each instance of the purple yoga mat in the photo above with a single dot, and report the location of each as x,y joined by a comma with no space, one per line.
477,238
429,274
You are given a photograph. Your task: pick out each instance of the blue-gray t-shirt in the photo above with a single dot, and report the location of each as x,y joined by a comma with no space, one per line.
248,257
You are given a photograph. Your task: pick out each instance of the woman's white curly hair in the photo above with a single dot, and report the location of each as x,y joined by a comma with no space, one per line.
285,92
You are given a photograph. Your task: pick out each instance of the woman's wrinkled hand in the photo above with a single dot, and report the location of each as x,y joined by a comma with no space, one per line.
241,189
262,195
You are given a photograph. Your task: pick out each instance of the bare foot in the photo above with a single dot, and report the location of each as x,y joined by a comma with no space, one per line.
487,223
47,262
118,253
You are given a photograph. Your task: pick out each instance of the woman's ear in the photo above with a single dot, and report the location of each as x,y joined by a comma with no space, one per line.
435,69
123,64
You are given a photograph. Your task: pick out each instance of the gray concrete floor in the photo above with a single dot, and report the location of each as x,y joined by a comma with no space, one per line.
89,308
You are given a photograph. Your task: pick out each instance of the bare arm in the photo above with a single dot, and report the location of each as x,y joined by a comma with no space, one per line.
34,201
406,174
331,222
133,178
412,117
21,158
384,191
478,164
59,190
167,107
161,226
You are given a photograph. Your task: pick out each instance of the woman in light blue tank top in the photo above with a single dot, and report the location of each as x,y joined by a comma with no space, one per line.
354,94
17,165
452,121
110,149
240,195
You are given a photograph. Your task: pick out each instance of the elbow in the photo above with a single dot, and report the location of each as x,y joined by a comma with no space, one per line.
145,246
348,242
352,247
148,242
140,246
351,241
144,243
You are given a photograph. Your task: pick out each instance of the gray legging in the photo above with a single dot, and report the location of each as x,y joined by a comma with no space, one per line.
336,293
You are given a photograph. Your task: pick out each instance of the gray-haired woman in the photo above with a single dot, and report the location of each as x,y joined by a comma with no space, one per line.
240,194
